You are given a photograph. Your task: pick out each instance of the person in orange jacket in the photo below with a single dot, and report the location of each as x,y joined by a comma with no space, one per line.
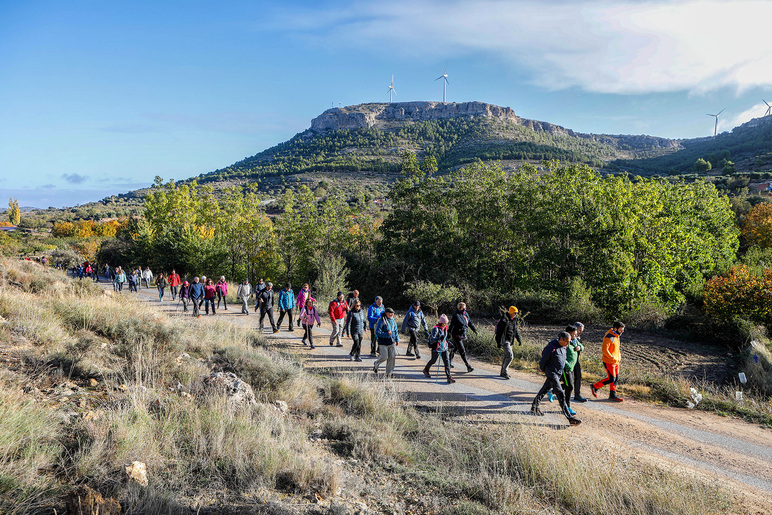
611,358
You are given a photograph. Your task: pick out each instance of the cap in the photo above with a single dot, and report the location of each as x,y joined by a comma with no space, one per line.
388,310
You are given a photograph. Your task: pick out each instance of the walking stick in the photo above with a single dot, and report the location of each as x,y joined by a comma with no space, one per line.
437,378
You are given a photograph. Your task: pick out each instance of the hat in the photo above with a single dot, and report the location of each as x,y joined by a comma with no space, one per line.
513,310
443,319
388,310
186,283
416,303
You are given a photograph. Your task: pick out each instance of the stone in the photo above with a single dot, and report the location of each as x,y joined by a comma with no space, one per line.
282,406
239,393
137,472
87,501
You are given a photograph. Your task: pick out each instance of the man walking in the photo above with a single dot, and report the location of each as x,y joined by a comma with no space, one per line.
553,360
286,305
374,313
337,310
414,320
196,296
578,347
174,283
244,292
611,358
506,333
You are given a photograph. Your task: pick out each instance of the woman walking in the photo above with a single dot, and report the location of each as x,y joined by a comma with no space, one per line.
438,341
161,283
185,296
307,316
222,292
357,325
209,295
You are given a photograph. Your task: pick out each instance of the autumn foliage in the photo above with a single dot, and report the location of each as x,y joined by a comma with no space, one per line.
86,228
757,227
741,292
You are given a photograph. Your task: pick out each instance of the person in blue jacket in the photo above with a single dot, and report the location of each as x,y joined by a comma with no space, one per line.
552,362
196,295
387,332
374,313
286,305
414,320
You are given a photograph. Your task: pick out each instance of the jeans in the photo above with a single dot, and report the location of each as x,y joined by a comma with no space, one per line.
161,293
337,332
207,303
389,355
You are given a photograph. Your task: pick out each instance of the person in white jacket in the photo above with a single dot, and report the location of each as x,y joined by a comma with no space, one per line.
244,292
147,276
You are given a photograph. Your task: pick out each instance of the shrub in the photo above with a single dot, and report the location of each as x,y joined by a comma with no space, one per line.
740,293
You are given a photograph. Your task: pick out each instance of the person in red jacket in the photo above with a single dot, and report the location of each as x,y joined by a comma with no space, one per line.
611,358
338,309
174,283
209,295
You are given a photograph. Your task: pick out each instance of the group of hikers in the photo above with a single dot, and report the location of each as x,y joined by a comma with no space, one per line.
348,317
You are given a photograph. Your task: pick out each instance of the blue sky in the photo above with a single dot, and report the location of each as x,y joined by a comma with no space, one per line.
98,98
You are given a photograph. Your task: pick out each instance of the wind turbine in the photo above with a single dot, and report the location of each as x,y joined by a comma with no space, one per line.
391,88
769,108
444,76
715,127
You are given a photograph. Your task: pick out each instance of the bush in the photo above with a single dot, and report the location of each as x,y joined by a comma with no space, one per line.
740,293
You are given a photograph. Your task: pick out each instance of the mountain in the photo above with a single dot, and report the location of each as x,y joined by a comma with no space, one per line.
371,137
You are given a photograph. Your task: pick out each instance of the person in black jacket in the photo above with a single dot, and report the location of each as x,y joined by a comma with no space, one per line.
506,333
458,329
265,303
553,359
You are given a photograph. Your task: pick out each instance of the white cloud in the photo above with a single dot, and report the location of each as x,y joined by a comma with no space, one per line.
609,47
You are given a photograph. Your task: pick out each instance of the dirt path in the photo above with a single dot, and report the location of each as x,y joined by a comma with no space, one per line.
729,451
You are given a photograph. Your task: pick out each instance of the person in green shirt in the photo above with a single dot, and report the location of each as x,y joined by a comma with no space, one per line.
567,377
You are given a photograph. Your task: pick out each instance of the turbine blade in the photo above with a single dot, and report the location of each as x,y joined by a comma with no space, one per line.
766,102
440,77
395,92
447,81
711,115
724,109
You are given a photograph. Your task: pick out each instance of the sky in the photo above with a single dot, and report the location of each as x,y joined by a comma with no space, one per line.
98,98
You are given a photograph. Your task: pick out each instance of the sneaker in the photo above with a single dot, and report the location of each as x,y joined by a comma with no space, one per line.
331,344
571,411
312,346
274,331
505,376
357,359
469,369
615,398
536,411
550,396
451,380
594,390
372,354
417,356
451,365
579,398
574,421
408,353
304,342
339,345
427,374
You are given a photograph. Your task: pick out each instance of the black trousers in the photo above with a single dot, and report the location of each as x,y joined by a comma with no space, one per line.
309,333
356,348
373,341
269,312
282,313
552,383
413,343
577,379
458,346
433,360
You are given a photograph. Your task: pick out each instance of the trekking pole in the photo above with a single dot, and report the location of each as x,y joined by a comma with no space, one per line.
437,377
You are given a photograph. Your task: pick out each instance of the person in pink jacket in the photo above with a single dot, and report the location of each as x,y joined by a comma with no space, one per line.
222,292
307,316
303,295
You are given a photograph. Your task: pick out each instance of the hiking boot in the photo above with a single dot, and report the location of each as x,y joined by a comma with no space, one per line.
375,370
574,421
303,342
427,374
451,380
357,359
613,397
594,390
469,369
417,356
350,357
408,353
550,396
339,345
274,331
505,376
579,398
312,346
536,411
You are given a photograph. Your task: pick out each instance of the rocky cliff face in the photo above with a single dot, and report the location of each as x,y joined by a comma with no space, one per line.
384,116
365,116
